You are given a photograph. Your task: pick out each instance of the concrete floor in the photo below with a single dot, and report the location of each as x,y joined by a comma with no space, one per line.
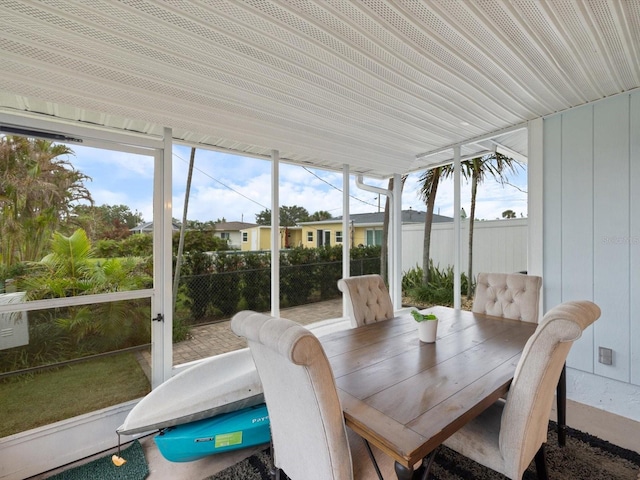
217,338
613,428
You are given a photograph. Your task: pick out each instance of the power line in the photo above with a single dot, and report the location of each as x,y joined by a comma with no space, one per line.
333,186
258,203
224,184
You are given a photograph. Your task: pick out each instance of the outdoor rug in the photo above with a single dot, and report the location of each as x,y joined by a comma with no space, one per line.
103,468
583,457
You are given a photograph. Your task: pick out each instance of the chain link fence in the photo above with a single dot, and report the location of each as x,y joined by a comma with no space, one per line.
211,297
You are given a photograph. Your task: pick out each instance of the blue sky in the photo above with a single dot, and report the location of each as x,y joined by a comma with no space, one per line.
237,188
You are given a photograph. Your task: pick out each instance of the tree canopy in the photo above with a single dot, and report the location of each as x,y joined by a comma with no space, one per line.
289,216
319,216
111,222
38,187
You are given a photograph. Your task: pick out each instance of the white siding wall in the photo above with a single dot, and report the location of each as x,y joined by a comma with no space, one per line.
498,245
592,242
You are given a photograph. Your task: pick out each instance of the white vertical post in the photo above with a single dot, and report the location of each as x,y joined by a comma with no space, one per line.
161,303
275,233
346,233
457,301
535,185
535,201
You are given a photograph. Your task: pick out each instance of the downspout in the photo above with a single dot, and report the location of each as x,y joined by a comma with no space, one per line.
396,242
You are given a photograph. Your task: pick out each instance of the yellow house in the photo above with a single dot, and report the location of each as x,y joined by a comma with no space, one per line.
365,229
259,238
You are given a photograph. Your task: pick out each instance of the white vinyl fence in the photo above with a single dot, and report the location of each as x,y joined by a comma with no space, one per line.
498,245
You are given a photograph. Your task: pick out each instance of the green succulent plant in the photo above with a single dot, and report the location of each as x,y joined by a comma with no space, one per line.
421,317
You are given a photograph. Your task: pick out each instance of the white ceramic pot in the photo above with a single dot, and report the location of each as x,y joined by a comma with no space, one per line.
427,330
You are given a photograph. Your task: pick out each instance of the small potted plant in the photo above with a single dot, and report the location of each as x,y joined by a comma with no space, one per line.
427,326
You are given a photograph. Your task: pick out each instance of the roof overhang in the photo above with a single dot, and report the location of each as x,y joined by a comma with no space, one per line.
382,86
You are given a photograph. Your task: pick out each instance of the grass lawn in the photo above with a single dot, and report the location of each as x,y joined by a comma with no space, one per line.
31,401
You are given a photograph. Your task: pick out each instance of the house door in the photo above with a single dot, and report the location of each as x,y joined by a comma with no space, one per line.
324,237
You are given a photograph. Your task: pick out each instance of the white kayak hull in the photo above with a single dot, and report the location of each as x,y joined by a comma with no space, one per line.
220,384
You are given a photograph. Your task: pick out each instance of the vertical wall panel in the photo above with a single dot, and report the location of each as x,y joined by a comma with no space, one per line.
611,233
577,221
592,227
552,218
634,232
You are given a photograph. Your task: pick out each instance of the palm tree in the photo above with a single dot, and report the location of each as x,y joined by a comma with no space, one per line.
37,190
430,180
496,165
71,270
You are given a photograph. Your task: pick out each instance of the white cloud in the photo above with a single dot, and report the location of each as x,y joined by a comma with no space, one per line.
237,188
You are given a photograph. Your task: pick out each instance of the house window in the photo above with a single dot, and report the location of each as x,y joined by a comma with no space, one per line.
309,236
245,237
225,235
338,237
374,237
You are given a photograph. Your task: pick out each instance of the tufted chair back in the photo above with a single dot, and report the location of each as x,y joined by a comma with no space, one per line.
509,295
307,425
509,434
368,299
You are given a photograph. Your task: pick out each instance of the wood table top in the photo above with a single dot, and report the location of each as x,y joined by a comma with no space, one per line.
406,397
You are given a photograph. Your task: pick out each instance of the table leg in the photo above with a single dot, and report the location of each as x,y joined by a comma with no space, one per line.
561,399
403,472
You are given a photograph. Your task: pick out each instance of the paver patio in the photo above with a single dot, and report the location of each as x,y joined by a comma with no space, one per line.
217,338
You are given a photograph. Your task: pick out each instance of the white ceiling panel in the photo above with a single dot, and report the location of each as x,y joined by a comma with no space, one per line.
384,86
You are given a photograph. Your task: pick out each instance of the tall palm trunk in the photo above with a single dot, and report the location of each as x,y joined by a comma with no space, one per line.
472,216
385,230
176,279
428,222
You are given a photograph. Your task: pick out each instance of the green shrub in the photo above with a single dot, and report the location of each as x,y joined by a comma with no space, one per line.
439,291
137,245
329,270
107,248
225,285
198,266
412,279
256,282
199,241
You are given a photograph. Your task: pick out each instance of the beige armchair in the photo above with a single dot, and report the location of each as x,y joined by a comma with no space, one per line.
509,434
368,299
509,295
308,432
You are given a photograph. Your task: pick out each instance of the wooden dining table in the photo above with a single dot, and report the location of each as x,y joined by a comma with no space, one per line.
406,397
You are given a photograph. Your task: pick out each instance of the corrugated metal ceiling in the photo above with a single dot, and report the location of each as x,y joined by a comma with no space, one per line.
379,85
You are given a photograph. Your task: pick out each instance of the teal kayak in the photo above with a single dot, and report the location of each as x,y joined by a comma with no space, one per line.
228,431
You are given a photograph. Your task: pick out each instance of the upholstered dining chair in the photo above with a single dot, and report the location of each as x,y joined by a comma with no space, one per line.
512,432
308,432
517,296
509,295
367,299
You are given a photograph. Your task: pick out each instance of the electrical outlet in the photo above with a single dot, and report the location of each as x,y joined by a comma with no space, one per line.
605,356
